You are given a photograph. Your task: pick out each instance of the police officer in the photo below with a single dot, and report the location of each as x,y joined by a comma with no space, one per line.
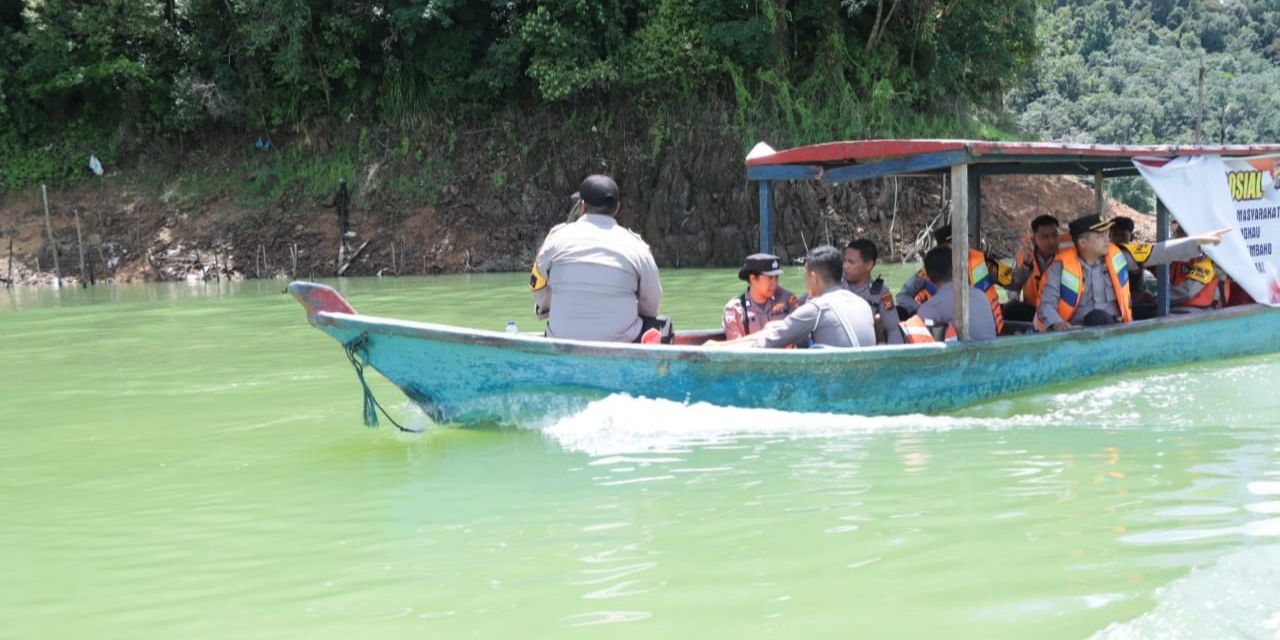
919,288
763,301
832,316
1088,284
1032,261
860,258
939,308
594,279
916,289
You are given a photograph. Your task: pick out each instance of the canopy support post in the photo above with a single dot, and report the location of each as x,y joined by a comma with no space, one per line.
960,211
1162,271
1099,193
975,205
766,216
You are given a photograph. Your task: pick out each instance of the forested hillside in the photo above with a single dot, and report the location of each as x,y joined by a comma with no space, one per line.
225,125
112,76
1153,72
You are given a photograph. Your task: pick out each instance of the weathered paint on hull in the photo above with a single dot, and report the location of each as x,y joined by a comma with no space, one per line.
465,376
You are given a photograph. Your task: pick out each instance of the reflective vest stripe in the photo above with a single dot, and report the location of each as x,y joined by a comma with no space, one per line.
915,331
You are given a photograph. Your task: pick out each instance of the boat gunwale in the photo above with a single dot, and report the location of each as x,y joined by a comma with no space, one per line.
558,346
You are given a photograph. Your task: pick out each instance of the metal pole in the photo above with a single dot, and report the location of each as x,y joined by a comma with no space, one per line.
960,248
48,225
766,216
1162,271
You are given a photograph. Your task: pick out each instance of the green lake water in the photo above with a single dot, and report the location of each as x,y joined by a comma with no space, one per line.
187,461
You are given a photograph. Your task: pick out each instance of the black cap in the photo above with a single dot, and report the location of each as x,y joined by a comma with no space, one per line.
599,192
942,234
765,264
1085,224
1123,223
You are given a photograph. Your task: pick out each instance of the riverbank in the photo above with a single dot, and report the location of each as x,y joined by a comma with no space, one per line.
460,201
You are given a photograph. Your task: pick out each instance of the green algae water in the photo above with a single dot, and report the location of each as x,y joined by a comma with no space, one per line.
188,461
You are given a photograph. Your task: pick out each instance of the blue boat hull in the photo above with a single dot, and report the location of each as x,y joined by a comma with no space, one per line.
470,376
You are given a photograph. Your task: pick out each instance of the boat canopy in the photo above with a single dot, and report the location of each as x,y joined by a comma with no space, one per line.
967,161
832,162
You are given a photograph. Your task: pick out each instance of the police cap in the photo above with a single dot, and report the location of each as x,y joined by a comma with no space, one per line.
599,192
1085,224
765,264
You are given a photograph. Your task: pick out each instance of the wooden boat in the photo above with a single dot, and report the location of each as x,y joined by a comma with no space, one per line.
459,375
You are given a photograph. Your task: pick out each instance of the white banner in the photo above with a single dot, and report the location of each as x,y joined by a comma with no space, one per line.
1207,193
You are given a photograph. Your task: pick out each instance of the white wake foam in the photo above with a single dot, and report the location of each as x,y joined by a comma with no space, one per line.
624,424
1236,597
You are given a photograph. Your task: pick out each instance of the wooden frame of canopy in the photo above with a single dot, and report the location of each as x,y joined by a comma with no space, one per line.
966,161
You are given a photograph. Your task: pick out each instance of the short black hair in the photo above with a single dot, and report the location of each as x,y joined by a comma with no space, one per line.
937,265
826,261
942,235
1124,223
865,248
1043,221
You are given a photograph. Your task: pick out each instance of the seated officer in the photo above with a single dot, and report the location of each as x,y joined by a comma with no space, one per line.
939,309
763,301
600,276
1122,236
859,261
1196,284
1032,261
1088,284
832,316
918,288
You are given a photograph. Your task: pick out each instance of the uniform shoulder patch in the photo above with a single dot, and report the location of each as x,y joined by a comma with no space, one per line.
1004,275
1201,270
1141,251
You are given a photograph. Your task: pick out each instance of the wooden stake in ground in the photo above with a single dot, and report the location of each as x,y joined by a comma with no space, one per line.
9,284
48,225
80,245
342,269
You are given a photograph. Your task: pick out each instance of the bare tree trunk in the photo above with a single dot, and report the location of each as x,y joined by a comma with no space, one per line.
877,29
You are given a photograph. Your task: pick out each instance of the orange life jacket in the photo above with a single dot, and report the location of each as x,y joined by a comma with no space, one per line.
980,277
915,331
1201,270
1035,282
1071,285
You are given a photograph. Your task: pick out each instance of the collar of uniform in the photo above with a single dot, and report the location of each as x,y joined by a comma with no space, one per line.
866,284
600,218
834,288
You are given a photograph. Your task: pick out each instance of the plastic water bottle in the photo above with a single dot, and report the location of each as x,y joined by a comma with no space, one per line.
511,327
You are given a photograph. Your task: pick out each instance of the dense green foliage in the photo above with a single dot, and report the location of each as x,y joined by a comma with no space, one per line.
102,76
1129,71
